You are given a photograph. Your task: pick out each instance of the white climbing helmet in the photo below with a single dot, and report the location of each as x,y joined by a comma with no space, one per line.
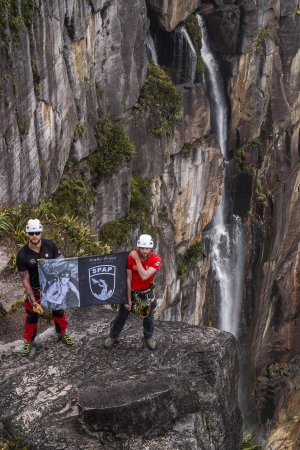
34,225
145,241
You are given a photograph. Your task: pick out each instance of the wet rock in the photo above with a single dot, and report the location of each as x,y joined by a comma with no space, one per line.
170,13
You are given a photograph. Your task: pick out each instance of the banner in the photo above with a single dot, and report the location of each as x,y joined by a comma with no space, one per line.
84,281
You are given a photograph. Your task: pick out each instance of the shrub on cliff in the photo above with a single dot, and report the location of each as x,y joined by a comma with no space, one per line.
73,237
116,233
164,101
114,149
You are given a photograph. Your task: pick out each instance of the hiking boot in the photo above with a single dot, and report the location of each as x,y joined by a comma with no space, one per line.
150,342
26,348
65,339
109,342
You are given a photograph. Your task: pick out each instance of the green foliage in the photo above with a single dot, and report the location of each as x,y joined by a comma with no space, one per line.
73,237
140,200
274,375
114,150
116,233
28,8
79,130
68,231
240,153
72,197
186,261
17,305
194,31
10,18
164,101
12,444
12,223
247,443
200,65
261,195
262,35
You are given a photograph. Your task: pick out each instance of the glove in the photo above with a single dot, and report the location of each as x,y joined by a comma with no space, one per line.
37,308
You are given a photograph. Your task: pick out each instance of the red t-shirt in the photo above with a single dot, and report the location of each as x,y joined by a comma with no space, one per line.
137,284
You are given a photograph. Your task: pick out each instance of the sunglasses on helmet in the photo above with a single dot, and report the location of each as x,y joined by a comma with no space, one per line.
32,233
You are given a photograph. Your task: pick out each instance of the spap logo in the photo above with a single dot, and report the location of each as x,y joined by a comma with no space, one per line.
102,281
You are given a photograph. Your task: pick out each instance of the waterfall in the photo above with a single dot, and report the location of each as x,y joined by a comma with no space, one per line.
185,57
226,237
151,49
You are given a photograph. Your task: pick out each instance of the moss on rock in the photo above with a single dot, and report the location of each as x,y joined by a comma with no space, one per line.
163,99
114,150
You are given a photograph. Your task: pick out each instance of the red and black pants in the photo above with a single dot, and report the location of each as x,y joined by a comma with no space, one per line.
31,320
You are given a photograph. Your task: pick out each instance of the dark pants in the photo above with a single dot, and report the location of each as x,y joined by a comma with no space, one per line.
119,322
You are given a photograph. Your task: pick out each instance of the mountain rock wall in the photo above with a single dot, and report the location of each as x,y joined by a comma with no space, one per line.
66,65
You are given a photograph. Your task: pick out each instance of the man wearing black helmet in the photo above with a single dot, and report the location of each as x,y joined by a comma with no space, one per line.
142,265
37,248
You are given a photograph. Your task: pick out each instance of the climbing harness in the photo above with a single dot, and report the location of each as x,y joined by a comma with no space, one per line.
141,302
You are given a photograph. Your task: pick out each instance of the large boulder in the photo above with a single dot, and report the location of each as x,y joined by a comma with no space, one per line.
183,395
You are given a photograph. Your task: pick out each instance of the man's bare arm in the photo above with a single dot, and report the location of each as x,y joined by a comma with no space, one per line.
26,284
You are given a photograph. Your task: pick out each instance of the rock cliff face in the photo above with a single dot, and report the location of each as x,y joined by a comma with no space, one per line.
88,397
65,65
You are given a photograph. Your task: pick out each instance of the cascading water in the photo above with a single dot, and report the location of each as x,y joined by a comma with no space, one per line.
151,49
185,57
226,232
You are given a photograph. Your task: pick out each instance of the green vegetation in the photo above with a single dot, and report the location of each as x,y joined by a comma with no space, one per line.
114,150
28,8
164,101
11,17
17,305
79,131
194,31
195,34
116,232
72,197
72,236
200,65
186,261
10,21
260,192
248,444
140,200
240,153
12,444
262,35
274,375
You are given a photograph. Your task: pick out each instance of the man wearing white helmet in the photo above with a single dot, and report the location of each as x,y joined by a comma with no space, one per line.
142,265
37,248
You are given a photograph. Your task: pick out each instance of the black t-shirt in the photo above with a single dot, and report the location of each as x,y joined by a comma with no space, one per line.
27,259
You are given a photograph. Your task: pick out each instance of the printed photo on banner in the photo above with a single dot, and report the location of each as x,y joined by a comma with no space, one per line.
59,283
84,281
